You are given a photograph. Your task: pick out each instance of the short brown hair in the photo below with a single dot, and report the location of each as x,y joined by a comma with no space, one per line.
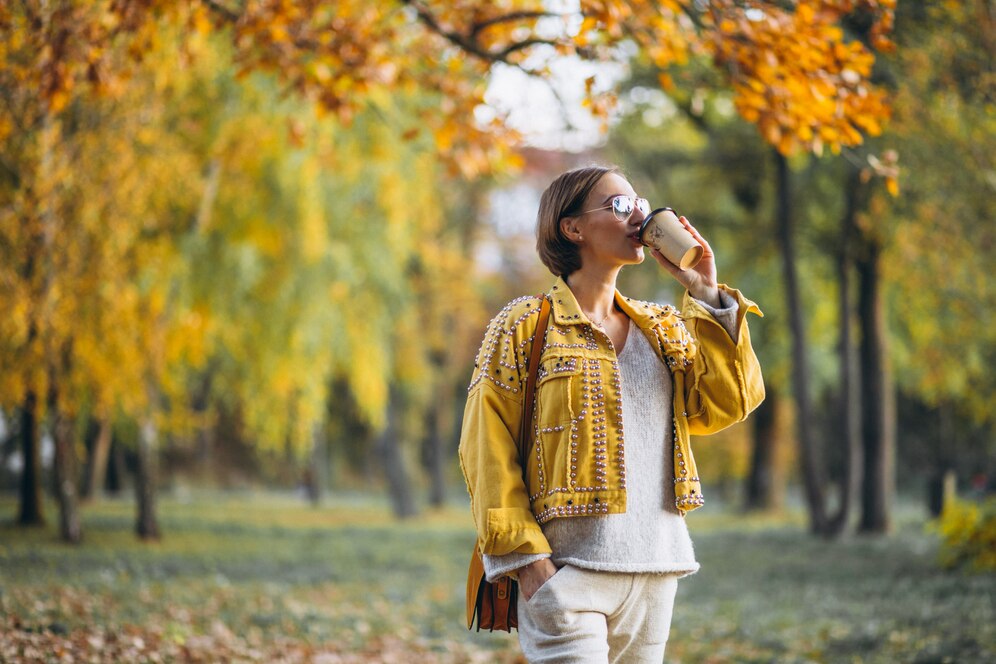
564,198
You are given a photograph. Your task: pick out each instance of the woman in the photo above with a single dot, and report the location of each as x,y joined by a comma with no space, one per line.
593,526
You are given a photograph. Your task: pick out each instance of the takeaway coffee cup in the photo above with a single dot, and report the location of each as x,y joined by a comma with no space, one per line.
662,231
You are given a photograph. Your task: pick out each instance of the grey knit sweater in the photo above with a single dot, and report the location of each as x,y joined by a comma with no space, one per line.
651,535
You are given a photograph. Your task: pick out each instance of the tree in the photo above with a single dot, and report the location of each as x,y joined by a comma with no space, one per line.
874,229
771,80
791,70
919,256
75,269
937,238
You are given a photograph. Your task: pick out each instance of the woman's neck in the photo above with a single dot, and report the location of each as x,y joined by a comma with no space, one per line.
595,290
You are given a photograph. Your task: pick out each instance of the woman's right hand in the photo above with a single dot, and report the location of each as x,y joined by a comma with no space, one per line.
534,575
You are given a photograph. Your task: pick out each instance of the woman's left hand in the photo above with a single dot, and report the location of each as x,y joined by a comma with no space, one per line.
700,280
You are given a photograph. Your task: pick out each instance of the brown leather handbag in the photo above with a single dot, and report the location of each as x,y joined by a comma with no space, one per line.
494,604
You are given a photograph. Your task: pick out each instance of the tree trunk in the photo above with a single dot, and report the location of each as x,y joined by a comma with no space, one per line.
942,471
31,512
97,467
9,444
388,449
146,524
117,469
850,384
434,460
66,478
204,437
318,465
434,451
39,245
813,475
878,416
760,491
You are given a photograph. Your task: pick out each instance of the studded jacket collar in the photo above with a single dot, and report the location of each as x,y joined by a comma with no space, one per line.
575,463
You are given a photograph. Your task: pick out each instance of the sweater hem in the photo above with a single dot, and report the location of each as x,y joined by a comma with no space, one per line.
678,569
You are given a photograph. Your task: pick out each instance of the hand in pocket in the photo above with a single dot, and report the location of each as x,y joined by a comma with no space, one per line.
534,575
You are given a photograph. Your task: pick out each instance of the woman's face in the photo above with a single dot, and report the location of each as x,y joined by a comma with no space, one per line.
605,240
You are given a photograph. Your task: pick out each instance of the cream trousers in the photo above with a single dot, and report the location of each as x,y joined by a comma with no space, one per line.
581,616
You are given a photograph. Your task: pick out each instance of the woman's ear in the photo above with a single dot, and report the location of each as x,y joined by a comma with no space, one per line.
570,228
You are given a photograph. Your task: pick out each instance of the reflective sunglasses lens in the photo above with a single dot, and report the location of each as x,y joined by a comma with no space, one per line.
622,206
643,205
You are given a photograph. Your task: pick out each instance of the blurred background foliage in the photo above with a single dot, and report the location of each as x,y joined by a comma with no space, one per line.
254,245
230,259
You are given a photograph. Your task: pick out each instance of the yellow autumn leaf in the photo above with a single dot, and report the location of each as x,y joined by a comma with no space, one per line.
892,185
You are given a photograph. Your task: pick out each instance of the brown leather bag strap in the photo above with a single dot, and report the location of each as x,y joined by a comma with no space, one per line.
532,369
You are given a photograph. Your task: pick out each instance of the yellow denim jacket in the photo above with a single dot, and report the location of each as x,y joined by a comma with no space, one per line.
576,460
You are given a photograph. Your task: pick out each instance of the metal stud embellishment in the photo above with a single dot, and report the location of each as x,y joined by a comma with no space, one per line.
565,366
496,351
572,510
590,461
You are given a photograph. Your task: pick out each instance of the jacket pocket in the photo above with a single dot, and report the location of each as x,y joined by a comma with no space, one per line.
557,390
558,402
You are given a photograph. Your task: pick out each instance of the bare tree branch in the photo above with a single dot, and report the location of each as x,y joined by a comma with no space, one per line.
511,18
503,54
455,38
468,44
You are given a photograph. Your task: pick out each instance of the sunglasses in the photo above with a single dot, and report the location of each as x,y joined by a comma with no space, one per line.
623,206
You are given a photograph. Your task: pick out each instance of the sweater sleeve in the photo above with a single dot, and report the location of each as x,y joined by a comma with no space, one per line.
496,567
726,314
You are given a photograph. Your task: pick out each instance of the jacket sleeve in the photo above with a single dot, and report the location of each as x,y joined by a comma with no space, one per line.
488,451
724,382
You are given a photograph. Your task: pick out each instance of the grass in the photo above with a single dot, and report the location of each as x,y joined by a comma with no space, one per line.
266,578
